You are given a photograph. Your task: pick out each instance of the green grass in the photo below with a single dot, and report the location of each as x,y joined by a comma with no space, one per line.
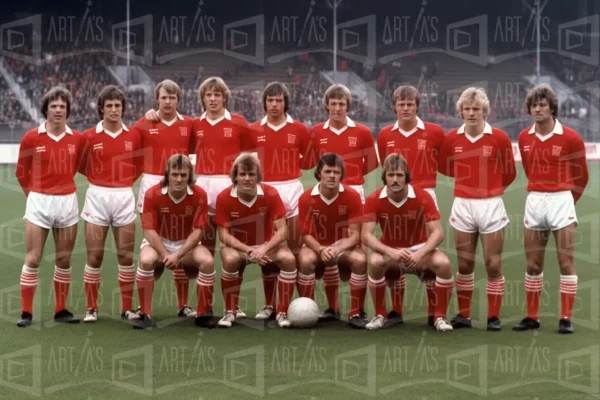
109,360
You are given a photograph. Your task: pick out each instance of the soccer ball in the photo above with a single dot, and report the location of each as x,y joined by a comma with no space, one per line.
303,313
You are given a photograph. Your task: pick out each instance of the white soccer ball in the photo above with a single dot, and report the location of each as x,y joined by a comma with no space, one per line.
303,313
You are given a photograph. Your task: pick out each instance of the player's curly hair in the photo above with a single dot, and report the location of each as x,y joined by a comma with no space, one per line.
170,87
276,89
539,92
179,161
406,93
53,94
111,92
393,162
337,92
216,84
246,161
331,160
476,95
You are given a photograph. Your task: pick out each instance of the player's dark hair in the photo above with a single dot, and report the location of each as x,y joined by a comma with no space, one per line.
539,92
276,89
246,161
406,93
331,160
56,93
178,161
111,92
393,162
337,92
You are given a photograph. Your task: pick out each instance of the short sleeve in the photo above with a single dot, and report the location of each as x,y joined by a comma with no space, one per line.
221,214
201,217
149,215
370,208
356,208
431,212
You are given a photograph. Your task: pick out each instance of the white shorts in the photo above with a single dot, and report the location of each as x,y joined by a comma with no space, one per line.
360,190
109,206
147,182
213,185
52,211
478,215
549,211
432,193
171,246
290,192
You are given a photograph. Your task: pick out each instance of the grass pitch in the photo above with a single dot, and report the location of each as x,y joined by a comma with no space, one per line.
110,360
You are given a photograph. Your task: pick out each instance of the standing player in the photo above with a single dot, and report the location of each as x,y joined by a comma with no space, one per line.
174,216
410,234
165,133
280,142
419,143
112,163
251,222
481,160
330,222
340,135
554,161
49,157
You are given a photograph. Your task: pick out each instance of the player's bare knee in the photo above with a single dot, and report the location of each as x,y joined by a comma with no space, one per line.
442,266
567,267
493,267
33,259
535,267
358,262
376,266
230,260
147,261
206,265
287,262
125,258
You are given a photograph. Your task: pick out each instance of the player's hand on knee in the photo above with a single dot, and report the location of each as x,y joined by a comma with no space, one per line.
327,254
413,259
259,255
171,261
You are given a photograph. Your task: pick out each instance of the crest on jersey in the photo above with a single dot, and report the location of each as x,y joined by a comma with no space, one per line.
291,138
487,151
412,214
556,150
352,141
183,130
421,144
227,132
128,146
342,210
189,210
71,149
262,210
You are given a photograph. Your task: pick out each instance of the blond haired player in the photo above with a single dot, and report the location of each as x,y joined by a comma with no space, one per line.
481,160
251,222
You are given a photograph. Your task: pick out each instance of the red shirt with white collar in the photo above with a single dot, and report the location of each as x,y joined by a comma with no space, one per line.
172,219
47,164
327,220
482,167
402,224
354,143
217,143
280,148
250,223
554,162
420,147
162,139
112,159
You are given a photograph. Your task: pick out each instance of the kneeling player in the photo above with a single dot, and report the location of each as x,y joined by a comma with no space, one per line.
410,234
175,213
251,223
330,224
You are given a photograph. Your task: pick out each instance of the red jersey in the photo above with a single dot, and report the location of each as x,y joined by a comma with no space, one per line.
47,164
280,148
112,159
250,223
328,220
175,220
160,140
420,147
354,143
218,143
554,162
402,224
482,166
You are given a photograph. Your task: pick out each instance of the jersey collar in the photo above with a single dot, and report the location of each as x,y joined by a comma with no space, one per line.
487,130
288,120
349,123
56,138
259,192
420,125
410,195
226,115
316,192
169,123
100,129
